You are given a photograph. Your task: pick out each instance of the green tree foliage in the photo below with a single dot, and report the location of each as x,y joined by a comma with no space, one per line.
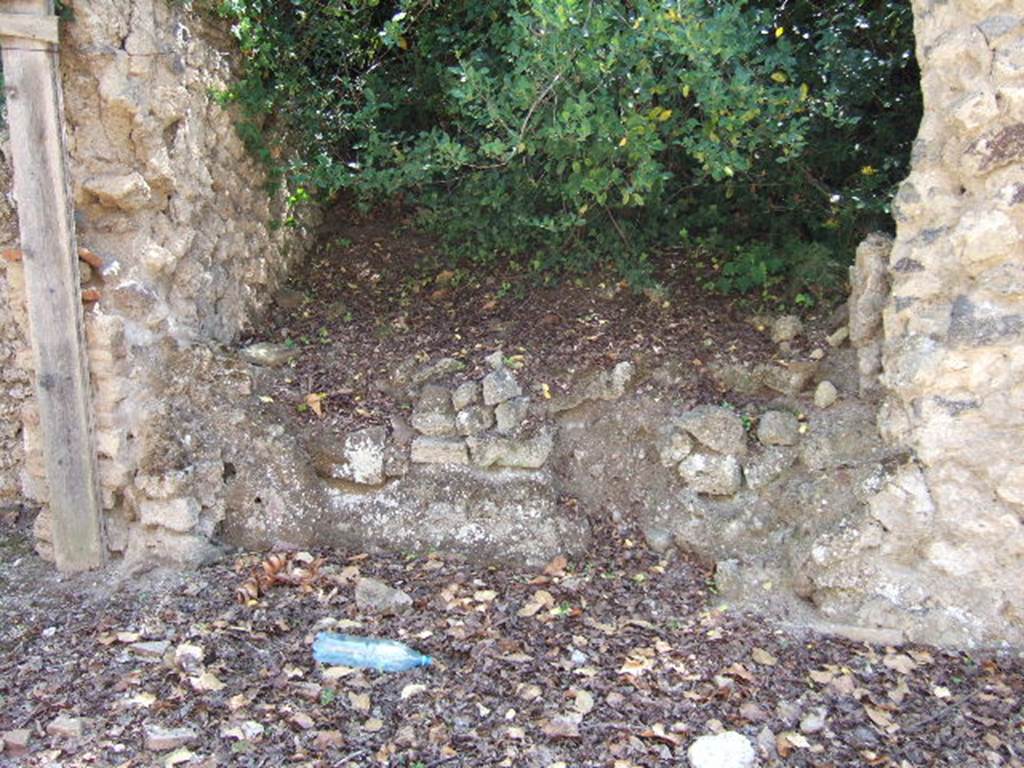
567,133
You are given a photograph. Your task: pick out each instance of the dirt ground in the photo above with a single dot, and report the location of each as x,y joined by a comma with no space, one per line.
376,294
618,660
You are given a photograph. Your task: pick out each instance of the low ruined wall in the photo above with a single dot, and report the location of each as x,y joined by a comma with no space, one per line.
191,246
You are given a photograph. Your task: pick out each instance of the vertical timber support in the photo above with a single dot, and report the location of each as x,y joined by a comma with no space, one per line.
28,36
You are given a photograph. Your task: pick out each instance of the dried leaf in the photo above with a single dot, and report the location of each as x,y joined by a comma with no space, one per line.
762,657
178,756
900,662
484,595
315,402
795,739
583,702
941,692
336,673
636,665
359,701
207,681
821,676
373,725
411,690
557,566
143,699
658,732
881,718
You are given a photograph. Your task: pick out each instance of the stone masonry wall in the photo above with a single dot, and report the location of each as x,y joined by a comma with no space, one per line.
946,543
14,384
168,199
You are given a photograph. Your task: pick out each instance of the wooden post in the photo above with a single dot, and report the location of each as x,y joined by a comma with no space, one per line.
28,35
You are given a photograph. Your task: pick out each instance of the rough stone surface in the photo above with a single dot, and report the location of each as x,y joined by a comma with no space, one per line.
474,420
499,515
433,414
439,450
786,328
673,445
711,474
269,355
465,395
169,200
778,428
716,428
525,453
869,278
374,596
359,459
825,394
66,727
789,378
510,414
500,385
16,741
728,749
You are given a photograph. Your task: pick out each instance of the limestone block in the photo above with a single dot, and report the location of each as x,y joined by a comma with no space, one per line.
127,192
511,413
179,514
870,288
1011,488
358,459
433,413
474,420
465,395
673,445
529,453
778,428
711,474
719,429
438,450
500,385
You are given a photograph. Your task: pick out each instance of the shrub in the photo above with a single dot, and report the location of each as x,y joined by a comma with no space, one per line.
568,133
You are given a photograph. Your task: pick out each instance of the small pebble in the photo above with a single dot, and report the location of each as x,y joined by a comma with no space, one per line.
826,394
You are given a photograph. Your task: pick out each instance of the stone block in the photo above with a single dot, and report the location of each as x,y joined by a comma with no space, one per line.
179,514
439,450
474,420
529,453
500,385
712,474
719,429
511,413
465,395
433,413
778,428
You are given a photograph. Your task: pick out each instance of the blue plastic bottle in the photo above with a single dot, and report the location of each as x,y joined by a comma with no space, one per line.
367,653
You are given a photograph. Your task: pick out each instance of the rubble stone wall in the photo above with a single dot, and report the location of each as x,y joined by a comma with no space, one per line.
14,384
942,310
190,246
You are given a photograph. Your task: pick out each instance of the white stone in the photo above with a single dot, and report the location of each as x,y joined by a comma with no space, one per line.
179,514
721,750
439,450
712,474
825,394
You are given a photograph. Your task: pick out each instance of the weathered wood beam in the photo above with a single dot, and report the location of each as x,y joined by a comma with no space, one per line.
53,298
